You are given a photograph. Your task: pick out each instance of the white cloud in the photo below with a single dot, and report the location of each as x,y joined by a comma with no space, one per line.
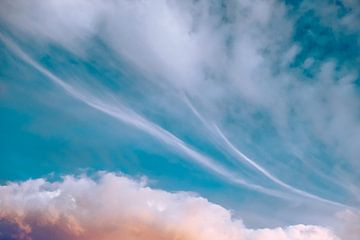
68,23
115,206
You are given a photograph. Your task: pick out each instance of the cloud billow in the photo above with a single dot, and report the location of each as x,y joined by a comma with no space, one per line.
117,207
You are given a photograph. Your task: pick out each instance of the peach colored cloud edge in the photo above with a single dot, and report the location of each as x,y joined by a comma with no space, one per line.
117,207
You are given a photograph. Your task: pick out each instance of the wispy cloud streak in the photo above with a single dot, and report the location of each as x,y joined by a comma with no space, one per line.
269,175
128,116
243,158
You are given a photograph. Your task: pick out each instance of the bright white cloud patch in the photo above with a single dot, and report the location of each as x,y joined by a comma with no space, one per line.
116,207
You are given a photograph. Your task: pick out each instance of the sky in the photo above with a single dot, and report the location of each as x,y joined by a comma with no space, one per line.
180,119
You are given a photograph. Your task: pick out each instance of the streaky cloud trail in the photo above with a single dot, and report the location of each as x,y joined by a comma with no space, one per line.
243,158
270,176
130,117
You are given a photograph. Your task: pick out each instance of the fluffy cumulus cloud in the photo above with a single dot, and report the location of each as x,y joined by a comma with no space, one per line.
116,207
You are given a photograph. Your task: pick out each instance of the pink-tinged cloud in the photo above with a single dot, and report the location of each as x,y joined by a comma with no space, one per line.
350,229
116,207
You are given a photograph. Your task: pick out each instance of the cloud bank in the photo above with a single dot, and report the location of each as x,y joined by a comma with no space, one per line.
116,207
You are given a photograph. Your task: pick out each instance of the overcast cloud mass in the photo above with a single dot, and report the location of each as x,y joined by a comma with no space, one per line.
245,113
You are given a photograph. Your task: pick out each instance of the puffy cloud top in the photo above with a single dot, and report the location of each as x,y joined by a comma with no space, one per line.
116,207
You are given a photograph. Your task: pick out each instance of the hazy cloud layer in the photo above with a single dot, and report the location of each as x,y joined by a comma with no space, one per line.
116,207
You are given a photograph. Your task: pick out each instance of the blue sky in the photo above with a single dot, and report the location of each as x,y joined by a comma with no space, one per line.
253,105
